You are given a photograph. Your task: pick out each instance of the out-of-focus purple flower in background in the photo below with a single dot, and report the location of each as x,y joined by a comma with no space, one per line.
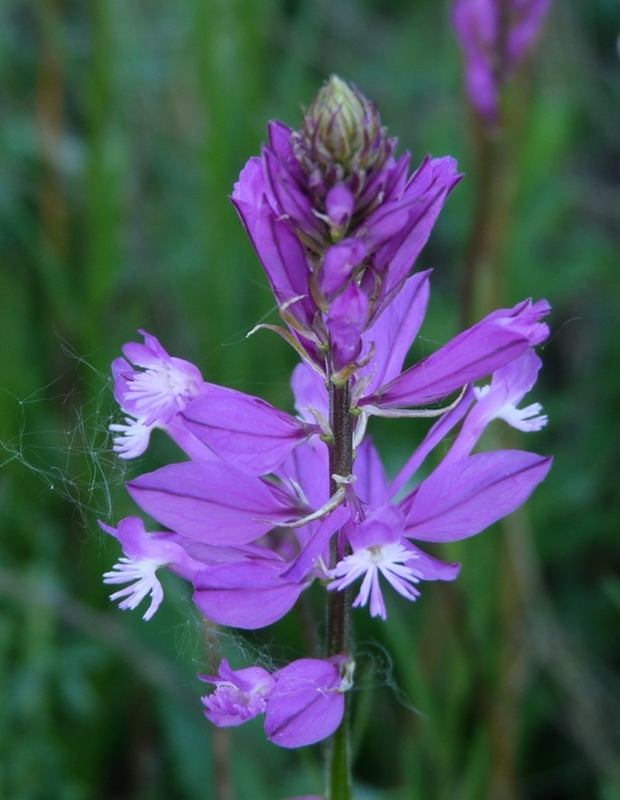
303,702
494,35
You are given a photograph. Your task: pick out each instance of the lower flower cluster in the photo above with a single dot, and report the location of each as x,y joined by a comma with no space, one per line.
302,702
249,515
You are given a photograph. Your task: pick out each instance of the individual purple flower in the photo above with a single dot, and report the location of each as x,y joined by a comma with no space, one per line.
152,387
144,554
239,695
246,532
459,499
494,36
378,548
303,702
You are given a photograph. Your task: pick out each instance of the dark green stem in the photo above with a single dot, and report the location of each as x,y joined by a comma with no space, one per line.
339,639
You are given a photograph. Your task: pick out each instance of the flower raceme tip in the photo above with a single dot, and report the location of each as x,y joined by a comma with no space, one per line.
336,221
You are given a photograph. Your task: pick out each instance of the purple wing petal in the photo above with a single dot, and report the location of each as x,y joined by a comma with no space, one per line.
462,498
248,594
212,502
245,431
279,250
305,706
395,330
495,341
371,483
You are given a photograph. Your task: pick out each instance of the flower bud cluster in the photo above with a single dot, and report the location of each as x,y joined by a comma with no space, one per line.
337,222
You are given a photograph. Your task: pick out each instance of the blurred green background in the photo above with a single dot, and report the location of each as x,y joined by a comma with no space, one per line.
124,124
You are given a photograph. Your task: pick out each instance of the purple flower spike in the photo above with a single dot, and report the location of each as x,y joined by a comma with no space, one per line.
239,695
307,704
494,36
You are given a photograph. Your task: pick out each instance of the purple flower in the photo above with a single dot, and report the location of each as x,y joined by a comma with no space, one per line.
378,548
499,400
307,704
152,388
459,499
494,36
255,540
303,702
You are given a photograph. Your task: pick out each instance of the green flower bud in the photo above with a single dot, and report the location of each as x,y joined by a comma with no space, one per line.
342,127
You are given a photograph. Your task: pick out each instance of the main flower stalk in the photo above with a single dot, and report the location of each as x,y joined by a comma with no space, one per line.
339,608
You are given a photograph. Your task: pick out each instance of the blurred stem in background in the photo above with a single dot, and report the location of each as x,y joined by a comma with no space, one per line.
496,147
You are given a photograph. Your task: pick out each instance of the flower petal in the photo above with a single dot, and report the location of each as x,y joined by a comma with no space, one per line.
211,501
306,705
461,498
246,594
245,431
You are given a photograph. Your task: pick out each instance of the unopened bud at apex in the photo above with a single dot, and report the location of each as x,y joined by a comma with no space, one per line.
342,126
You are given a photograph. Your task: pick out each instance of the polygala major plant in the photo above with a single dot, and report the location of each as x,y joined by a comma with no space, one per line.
266,503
